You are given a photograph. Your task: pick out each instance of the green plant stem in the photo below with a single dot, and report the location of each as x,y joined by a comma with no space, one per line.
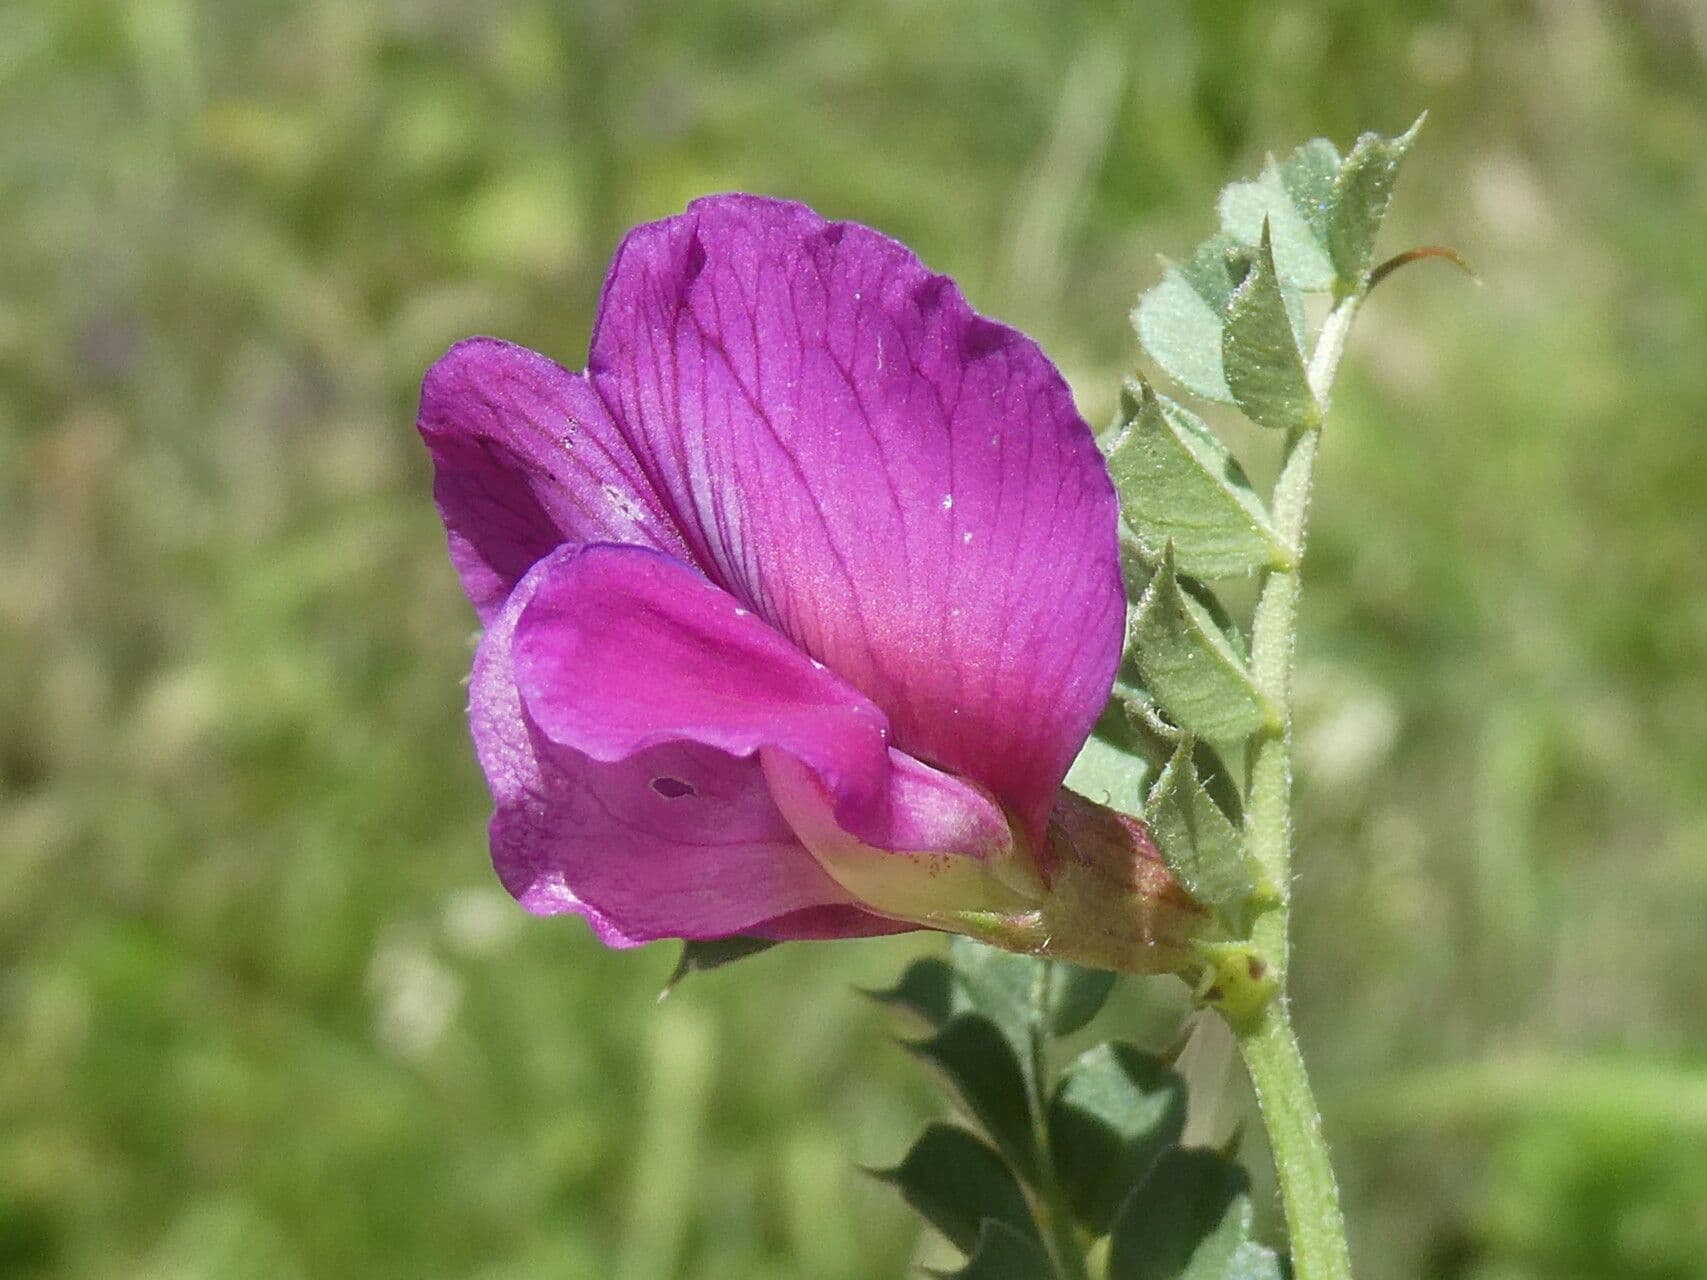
1307,1187
1065,1247
1270,1050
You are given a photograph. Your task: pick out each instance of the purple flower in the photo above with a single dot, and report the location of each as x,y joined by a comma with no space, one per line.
798,602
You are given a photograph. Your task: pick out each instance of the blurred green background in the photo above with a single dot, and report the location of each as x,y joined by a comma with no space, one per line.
264,1011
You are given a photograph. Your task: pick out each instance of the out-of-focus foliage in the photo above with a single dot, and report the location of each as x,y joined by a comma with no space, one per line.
262,1009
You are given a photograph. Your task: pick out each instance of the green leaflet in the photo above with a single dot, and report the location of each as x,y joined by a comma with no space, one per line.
1076,995
1177,482
702,957
1260,353
927,991
1108,768
1000,986
1308,175
1113,1121
1189,1220
1116,1111
974,1055
1321,214
994,1015
1015,991
1201,847
1179,321
1324,212
957,1183
1004,1254
1190,668
1362,192
1294,197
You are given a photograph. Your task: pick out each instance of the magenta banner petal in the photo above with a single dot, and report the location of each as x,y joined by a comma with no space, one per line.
678,840
900,486
526,458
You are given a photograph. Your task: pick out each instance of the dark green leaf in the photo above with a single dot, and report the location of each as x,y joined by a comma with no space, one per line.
1189,1220
1177,481
1116,1111
1179,321
1189,666
956,1183
1201,847
1004,1254
976,1058
1260,351
1361,195
1076,995
926,990
701,957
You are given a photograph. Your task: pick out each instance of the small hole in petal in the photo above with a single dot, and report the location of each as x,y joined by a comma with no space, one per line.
673,788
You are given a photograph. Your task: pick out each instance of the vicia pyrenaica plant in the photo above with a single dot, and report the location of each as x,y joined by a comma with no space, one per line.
801,603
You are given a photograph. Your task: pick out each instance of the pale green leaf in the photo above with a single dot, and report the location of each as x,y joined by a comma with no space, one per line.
1201,847
1300,251
1308,175
1177,481
1108,771
1189,667
1362,192
1179,321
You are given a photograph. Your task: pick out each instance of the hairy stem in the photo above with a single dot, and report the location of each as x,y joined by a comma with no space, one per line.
1270,1050
1301,1166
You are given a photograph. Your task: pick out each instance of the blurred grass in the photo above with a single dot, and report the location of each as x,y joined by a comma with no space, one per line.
263,1011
